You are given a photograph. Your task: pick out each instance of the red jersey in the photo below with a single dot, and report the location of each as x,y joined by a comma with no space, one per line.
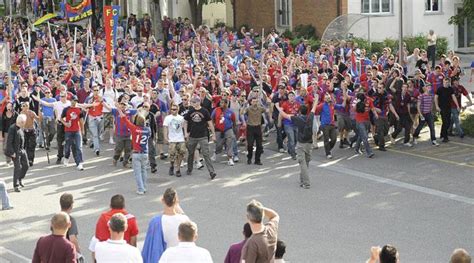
364,116
73,115
96,110
102,232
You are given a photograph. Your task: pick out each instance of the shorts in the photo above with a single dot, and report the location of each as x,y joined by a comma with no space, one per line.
108,120
344,123
176,149
159,135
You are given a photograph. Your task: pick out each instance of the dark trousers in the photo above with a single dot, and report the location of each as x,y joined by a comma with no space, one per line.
428,119
281,135
152,152
254,134
20,163
432,55
404,123
446,122
354,138
30,145
330,138
382,127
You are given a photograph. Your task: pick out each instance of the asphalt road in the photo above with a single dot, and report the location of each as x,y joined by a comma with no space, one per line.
419,199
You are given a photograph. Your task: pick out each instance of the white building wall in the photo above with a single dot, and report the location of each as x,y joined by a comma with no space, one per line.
213,13
415,21
175,9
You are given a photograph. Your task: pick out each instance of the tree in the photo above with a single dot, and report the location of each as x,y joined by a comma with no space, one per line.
467,11
155,15
196,9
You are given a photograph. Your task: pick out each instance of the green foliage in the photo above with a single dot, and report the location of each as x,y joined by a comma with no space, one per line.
219,24
467,11
305,31
467,122
287,34
314,43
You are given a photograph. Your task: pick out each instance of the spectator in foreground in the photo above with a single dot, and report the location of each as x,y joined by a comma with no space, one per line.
460,255
387,254
116,249
66,201
55,247
280,251
4,196
186,251
235,250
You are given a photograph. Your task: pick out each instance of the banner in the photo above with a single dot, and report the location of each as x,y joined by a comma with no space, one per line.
79,11
109,35
115,14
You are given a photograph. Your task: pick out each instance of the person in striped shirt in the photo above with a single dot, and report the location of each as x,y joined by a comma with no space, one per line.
425,104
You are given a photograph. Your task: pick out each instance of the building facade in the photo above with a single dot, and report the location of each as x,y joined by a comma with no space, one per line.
419,16
286,14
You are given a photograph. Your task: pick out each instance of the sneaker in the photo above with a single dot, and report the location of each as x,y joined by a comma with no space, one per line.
371,155
434,143
212,175
382,149
171,171
345,141
153,170
199,165
30,163
249,161
281,150
97,152
213,157
178,173
236,159
445,140
230,162
408,144
21,184
66,162
258,163
414,141
329,156
188,172
101,137
80,167
126,165
293,157
358,152
140,192
16,189
305,186
111,141
58,161
163,156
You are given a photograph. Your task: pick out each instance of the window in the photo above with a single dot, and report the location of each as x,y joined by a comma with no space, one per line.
283,12
376,6
432,6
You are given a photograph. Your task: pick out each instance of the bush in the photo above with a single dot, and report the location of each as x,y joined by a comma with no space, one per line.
287,34
219,24
305,31
314,43
467,123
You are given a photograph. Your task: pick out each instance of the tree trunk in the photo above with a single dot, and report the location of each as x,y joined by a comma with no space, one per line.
193,7
155,14
50,6
199,13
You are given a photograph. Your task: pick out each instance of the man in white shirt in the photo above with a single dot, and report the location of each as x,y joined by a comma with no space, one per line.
116,249
173,135
186,251
432,38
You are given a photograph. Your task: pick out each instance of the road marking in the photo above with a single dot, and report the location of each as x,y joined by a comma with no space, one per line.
432,158
463,144
340,169
4,250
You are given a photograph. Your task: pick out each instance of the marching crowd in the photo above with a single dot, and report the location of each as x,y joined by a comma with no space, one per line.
170,99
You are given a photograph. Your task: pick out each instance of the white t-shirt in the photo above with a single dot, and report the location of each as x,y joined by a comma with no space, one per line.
175,128
109,95
117,251
170,228
186,252
59,106
136,100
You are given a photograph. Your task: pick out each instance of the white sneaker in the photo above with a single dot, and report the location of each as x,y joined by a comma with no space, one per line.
434,143
236,159
199,165
111,141
80,167
329,156
230,162
140,193
281,150
408,144
66,162
213,157
415,142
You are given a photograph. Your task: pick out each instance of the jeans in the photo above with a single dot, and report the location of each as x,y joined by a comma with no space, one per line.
139,163
20,163
304,157
96,127
446,122
428,119
204,144
362,132
73,138
292,133
455,121
330,138
254,134
4,195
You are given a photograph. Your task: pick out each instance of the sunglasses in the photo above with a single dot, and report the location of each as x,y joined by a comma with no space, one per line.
174,109
47,92
96,90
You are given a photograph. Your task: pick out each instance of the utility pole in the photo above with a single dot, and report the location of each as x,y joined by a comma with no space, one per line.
400,40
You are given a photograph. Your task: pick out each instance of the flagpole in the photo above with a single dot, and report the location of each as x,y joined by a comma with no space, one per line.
74,47
23,43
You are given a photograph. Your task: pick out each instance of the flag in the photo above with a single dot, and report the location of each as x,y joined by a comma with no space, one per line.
79,11
354,71
109,45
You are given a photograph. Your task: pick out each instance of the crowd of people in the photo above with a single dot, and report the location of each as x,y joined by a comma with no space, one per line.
168,99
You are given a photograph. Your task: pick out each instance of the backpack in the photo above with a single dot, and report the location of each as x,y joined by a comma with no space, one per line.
307,134
360,106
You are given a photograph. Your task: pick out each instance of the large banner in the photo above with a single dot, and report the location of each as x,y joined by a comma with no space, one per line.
111,17
79,11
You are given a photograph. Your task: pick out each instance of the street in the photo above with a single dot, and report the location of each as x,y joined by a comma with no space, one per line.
418,199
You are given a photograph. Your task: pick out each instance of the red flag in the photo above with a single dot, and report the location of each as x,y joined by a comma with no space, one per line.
109,45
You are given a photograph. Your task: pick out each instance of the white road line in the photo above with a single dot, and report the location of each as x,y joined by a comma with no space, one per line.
340,169
4,250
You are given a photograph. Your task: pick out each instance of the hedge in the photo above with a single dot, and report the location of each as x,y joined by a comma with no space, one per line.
467,123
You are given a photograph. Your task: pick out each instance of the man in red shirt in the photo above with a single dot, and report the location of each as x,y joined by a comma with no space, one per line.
55,247
291,107
459,91
73,120
102,233
95,120
363,106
